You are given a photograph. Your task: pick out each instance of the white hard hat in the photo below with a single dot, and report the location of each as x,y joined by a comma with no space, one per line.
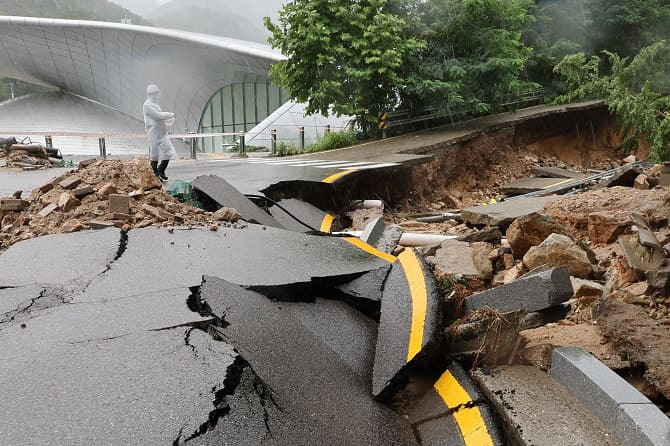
153,89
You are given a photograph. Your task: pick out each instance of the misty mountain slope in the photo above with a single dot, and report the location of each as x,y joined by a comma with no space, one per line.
139,7
68,9
241,19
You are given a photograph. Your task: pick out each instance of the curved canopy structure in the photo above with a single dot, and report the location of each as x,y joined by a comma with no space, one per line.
113,63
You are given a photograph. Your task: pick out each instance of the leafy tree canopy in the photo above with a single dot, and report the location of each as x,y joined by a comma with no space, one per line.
637,92
342,55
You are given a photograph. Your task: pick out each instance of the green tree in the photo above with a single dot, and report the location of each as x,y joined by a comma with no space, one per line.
637,92
341,55
474,55
625,27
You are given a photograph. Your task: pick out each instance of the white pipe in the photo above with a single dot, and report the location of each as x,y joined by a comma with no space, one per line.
410,239
367,204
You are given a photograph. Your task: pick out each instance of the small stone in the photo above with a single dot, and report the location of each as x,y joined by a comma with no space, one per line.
98,224
73,225
586,288
226,214
638,289
641,182
214,228
67,202
508,261
512,274
629,159
17,194
85,163
106,190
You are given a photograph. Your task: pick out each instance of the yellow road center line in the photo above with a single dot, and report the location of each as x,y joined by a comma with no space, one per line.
371,249
469,419
419,296
559,183
336,176
327,223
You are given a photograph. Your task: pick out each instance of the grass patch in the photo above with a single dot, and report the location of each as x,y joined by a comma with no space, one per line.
330,141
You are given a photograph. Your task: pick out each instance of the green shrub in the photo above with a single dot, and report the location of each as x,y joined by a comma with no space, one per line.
333,140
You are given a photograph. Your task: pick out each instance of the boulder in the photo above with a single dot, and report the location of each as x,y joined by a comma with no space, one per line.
106,190
659,279
560,250
481,259
606,227
531,230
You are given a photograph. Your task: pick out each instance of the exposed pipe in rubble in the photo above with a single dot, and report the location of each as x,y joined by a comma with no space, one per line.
367,204
410,239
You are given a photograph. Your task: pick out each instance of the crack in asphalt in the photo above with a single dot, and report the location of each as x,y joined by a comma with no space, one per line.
52,296
469,405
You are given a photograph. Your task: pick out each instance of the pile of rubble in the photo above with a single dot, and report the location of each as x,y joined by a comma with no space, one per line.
27,156
589,269
99,194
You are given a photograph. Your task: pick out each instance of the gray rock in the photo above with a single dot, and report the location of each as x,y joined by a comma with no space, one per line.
531,293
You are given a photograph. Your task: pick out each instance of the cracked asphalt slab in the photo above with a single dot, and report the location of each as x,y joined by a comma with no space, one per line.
157,259
310,381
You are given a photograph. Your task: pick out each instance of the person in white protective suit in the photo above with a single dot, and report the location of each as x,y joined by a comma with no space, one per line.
156,123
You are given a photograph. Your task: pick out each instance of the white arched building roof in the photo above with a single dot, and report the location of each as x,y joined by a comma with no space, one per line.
112,63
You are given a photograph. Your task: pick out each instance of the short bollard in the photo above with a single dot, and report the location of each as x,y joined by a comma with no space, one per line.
103,148
49,142
301,130
242,145
193,154
273,135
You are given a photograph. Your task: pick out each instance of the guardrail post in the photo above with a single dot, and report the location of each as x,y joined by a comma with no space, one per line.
49,142
103,147
327,128
301,131
242,144
193,154
273,140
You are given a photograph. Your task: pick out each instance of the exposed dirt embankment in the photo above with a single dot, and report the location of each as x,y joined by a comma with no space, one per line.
470,172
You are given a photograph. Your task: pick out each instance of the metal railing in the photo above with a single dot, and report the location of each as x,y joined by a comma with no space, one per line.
240,139
403,117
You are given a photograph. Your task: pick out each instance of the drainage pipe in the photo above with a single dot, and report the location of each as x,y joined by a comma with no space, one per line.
409,239
367,204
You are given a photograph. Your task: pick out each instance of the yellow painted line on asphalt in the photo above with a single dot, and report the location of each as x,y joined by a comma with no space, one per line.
336,176
327,223
419,296
469,419
559,183
371,249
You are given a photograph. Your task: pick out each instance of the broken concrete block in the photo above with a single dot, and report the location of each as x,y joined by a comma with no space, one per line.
659,279
557,172
531,184
83,192
97,224
560,250
373,231
48,210
606,227
70,182
504,213
631,416
587,290
121,216
67,202
390,239
73,225
136,193
528,401
85,163
623,176
119,204
157,212
409,323
220,193
454,412
531,293
369,286
13,204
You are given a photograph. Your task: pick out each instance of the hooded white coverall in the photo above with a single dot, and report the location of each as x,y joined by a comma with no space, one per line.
160,146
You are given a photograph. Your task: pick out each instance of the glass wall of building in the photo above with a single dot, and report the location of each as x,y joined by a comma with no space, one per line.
238,108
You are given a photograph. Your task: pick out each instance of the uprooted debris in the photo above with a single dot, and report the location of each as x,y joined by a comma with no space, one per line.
124,194
27,156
